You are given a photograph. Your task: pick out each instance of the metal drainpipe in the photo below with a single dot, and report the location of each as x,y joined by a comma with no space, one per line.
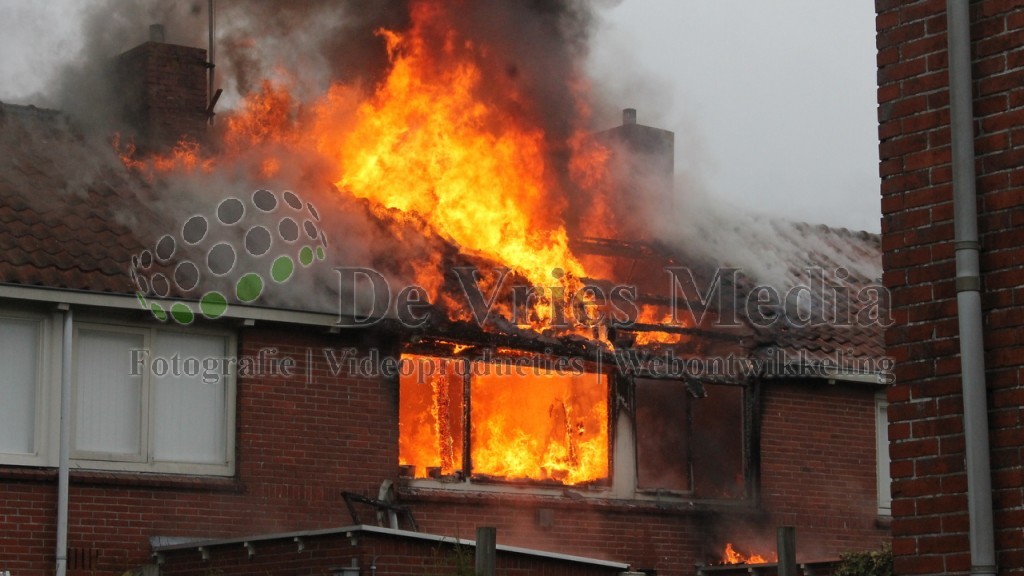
65,438
968,290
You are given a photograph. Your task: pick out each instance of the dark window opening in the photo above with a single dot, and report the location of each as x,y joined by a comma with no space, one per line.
688,444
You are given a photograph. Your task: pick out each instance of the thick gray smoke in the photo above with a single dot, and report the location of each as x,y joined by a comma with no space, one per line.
537,45
316,42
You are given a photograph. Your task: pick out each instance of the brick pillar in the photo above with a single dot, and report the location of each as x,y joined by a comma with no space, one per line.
164,91
929,507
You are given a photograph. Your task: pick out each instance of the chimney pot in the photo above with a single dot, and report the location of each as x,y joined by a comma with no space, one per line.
156,33
628,116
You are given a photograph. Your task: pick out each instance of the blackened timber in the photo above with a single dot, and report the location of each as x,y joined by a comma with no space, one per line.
671,329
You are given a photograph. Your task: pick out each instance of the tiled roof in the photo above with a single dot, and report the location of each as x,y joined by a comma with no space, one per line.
839,307
58,206
845,325
833,275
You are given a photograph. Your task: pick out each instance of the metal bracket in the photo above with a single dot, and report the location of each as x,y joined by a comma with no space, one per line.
968,284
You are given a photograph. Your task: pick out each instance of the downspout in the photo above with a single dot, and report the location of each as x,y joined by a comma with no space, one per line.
65,439
968,290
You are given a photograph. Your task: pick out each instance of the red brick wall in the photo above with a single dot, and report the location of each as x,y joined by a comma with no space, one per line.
300,444
818,474
929,503
818,465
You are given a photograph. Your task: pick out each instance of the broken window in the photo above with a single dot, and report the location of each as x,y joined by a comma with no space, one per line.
430,417
690,444
522,422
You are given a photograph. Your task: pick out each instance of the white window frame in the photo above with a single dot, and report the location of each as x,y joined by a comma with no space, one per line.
883,474
143,439
145,462
41,415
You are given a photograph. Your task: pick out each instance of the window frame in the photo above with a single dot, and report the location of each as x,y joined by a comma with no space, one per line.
693,437
622,482
143,437
145,461
39,456
883,472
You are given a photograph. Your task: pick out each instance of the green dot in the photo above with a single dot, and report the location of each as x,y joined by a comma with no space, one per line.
249,287
282,268
142,300
158,312
319,252
182,313
213,305
306,256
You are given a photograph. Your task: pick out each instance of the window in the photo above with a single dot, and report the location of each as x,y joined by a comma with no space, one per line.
690,444
486,423
22,349
498,422
882,455
152,399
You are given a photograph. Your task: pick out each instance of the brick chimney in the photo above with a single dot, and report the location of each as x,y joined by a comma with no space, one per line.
653,149
164,90
643,163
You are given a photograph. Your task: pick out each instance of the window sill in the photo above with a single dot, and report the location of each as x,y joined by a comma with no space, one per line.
133,479
568,497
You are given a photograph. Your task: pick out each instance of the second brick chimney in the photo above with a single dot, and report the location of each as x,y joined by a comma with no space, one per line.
164,91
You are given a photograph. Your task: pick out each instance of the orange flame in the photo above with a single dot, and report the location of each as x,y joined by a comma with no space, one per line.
443,143
425,142
731,556
557,432
185,156
650,314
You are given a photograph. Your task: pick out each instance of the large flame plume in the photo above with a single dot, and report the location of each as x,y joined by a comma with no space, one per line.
451,135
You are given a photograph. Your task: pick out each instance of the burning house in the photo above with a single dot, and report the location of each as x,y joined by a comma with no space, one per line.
342,331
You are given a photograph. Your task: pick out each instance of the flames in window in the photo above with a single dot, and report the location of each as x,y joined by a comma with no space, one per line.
525,423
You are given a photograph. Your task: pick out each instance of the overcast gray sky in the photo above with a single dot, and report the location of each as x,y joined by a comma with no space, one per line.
772,102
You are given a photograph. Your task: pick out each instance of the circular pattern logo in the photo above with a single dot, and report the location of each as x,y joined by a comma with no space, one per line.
235,254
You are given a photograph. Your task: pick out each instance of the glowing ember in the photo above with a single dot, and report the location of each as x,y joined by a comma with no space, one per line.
184,157
657,315
731,556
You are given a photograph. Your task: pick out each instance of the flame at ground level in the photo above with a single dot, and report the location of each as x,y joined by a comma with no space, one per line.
731,556
525,422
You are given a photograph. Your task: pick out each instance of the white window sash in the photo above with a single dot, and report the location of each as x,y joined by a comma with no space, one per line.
145,461
36,408
79,403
